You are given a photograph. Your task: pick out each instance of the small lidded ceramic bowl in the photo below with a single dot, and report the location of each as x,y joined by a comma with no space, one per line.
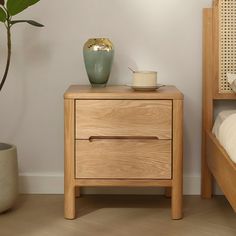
144,79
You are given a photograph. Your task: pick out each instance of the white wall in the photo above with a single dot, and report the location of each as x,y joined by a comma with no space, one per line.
163,35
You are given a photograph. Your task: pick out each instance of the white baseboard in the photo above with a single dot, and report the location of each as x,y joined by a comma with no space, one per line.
53,184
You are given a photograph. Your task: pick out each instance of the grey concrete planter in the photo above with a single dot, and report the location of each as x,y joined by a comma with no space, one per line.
8,176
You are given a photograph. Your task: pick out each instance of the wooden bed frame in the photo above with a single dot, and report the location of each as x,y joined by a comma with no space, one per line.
215,161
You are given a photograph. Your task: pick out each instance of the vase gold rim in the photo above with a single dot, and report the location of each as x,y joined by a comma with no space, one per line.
99,44
102,38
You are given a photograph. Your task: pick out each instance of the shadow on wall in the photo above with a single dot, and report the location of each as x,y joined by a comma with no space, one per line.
36,51
30,54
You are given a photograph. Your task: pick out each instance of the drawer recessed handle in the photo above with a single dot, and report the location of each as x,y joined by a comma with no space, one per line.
93,138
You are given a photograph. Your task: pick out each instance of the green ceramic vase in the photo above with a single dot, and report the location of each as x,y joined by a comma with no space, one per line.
98,58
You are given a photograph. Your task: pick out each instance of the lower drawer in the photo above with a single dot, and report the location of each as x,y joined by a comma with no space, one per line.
123,159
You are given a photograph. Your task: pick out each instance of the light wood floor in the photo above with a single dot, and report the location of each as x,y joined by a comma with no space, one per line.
42,215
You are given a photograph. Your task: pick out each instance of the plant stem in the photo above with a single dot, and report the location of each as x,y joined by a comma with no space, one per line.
8,55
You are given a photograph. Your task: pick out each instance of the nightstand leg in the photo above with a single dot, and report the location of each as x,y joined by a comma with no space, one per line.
69,203
176,202
69,176
177,178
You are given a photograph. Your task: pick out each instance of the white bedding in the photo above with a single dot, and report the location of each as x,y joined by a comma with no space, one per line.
225,131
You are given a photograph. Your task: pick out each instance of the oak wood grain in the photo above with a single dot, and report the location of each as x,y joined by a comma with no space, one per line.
123,138
177,184
123,118
207,100
222,167
123,159
214,158
69,166
124,182
120,92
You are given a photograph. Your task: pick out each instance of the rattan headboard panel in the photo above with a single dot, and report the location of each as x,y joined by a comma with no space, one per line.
227,42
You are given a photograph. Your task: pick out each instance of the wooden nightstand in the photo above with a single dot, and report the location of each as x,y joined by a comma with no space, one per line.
115,136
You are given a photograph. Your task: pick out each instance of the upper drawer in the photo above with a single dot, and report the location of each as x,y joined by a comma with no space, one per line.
123,118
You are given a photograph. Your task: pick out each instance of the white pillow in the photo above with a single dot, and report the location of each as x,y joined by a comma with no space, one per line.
232,81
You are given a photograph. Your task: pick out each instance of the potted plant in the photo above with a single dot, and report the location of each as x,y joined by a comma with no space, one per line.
8,156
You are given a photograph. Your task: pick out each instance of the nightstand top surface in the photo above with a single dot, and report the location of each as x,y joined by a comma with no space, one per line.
120,92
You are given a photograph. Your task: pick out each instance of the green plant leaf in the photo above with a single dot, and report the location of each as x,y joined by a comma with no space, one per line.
16,6
31,22
32,2
3,15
